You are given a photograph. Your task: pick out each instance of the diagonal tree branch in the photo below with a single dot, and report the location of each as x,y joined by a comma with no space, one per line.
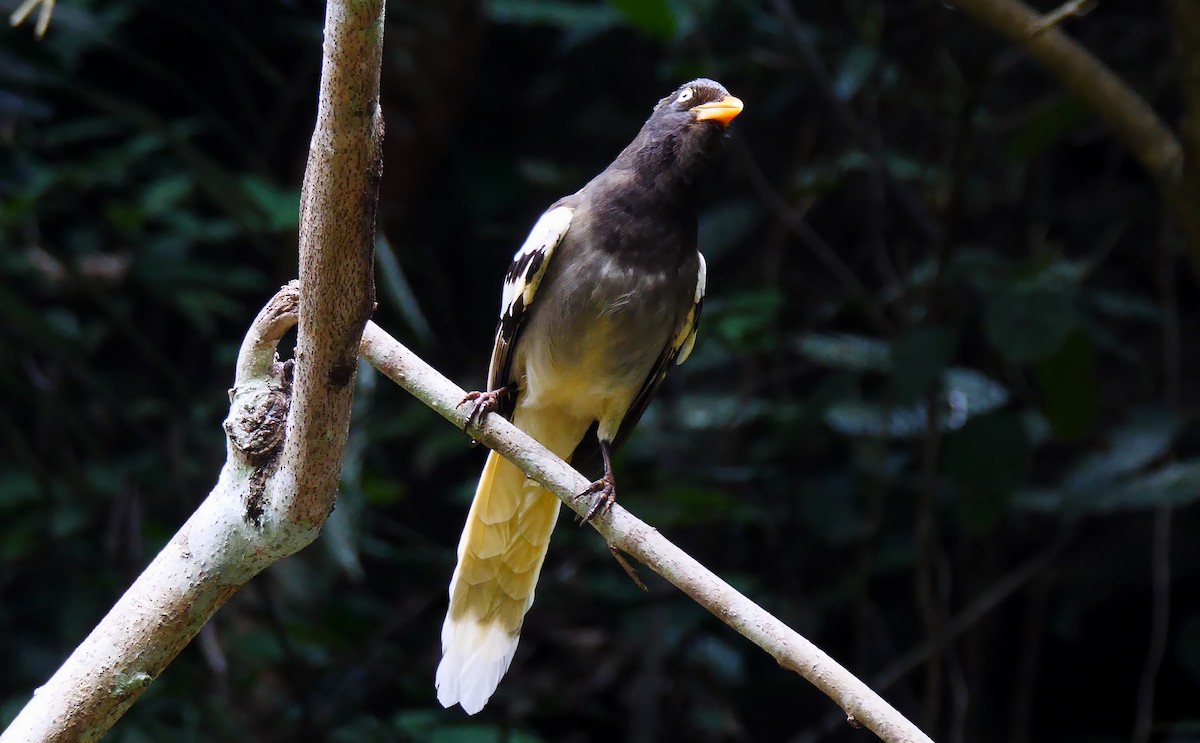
1185,17
1134,122
629,534
285,441
45,12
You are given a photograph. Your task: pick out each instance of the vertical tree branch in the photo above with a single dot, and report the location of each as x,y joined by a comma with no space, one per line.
1132,119
285,442
337,237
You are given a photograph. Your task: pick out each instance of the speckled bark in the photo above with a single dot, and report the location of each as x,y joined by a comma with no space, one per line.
337,238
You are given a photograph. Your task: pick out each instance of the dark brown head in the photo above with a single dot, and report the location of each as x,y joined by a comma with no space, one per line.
682,137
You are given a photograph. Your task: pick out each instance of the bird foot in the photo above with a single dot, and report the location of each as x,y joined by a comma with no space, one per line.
605,490
484,402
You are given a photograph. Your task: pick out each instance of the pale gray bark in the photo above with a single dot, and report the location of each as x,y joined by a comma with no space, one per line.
285,439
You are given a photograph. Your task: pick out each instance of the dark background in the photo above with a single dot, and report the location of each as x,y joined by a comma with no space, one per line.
942,396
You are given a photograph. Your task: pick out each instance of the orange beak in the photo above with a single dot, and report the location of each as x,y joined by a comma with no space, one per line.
724,110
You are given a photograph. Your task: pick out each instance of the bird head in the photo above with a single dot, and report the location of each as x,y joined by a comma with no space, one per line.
682,137
701,100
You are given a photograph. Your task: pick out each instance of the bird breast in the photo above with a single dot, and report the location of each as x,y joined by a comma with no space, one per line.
596,329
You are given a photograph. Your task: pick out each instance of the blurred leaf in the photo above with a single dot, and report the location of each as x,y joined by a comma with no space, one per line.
832,507
858,65
18,490
81,130
873,420
1126,306
726,227
721,659
1145,438
165,194
851,352
1029,319
747,321
428,726
1188,643
717,411
970,393
1090,491
655,17
988,458
567,15
984,270
280,206
686,506
363,730
396,286
1070,394
918,360
1047,127
965,393
1173,485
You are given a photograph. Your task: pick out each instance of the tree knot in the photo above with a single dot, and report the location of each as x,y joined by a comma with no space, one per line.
258,419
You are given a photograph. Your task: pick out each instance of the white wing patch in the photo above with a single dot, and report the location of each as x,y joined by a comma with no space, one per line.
685,341
521,283
530,261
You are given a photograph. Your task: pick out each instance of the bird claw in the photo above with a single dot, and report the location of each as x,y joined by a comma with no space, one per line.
605,490
485,402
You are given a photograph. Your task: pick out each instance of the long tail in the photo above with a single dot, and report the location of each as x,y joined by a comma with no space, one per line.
499,558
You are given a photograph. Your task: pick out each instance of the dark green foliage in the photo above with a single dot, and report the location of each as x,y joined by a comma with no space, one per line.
939,347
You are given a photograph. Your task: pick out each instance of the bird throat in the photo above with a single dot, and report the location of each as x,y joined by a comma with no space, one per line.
638,223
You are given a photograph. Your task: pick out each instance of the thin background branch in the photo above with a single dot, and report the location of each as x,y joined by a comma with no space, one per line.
1133,120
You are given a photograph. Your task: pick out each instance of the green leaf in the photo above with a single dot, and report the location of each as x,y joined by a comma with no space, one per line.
279,205
747,321
1126,306
1070,394
566,15
1134,445
1173,485
918,359
850,352
724,228
719,410
980,268
1047,127
655,17
18,490
1029,319
969,393
987,459
857,67
1112,480
873,420
965,393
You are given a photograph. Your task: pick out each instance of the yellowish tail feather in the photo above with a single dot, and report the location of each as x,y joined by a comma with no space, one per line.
499,558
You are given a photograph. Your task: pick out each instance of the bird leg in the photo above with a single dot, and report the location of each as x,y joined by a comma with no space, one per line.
605,488
485,402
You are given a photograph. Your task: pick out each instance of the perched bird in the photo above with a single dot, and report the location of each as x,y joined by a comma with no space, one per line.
601,299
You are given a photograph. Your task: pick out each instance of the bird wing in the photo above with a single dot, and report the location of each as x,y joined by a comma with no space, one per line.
676,351
520,289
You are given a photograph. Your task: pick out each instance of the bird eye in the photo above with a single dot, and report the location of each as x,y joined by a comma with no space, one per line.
685,96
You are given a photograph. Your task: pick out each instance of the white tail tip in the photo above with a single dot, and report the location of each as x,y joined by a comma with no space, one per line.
474,659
